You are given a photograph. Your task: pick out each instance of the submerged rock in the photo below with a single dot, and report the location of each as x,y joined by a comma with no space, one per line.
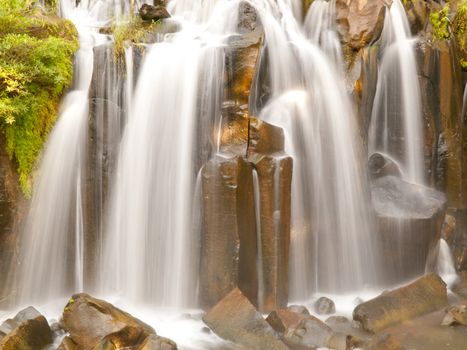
425,295
234,318
93,323
28,330
455,315
324,306
153,13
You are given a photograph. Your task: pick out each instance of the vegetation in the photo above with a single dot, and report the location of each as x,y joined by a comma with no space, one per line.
36,66
133,30
459,29
440,23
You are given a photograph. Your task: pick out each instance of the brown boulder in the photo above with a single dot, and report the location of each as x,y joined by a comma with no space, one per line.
88,320
283,319
360,22
136,339
228,238
153,13
455,315
309,333
425,295
386,342
28,330
234,318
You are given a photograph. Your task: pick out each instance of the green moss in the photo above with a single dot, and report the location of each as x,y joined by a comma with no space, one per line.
36,66
459,25
134,30
440,23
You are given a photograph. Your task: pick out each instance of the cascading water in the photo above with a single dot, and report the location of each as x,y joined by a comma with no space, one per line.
151,249
396,126
51,258
331,247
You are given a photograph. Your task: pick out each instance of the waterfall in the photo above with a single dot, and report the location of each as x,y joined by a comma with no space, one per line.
151,249
51,257
396,126
331,243
445,265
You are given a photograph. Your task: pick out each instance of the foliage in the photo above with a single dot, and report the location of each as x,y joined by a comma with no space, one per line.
36,66
440,22
459,25
133,30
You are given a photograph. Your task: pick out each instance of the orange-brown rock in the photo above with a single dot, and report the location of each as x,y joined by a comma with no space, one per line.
264,138
283,319
234,318
425,295
28,330
88,320
228,238
360,22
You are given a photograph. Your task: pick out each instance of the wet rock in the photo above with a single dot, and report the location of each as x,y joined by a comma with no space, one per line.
460,286
386,342
283,319
448,228
300,309
455,315
309,333
459,239
153,13
360,22
68,344
417,14
88,320
134,338
234,318
409,219
338,323
324,306
379,165
275,181
265,138
228,240
28,330
423,296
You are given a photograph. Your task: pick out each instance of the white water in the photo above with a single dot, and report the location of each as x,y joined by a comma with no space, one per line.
445,265
151,250
331,248
396,126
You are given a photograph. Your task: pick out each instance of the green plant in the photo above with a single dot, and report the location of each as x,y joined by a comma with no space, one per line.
36,67
440,23
459,25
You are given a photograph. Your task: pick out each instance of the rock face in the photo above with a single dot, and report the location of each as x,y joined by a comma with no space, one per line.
460,286
153,13
228,240
91,322
360,22
409,220
425,295
28,330
234,318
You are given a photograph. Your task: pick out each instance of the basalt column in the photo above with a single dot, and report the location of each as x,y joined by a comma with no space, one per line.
228,241
274,169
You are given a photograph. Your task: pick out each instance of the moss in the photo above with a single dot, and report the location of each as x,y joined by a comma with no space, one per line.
440,23
134,30
459,25
36,67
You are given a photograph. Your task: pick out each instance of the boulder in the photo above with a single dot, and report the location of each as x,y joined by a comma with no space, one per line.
409,219
360,22
235,319
228,238
455,315
89,320
283,319
385,342
309,333
153,13
460,286
425,295
28,330
299,309
134,338
68,344
380,165
324,306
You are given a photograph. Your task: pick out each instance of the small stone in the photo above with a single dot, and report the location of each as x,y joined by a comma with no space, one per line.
324,306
